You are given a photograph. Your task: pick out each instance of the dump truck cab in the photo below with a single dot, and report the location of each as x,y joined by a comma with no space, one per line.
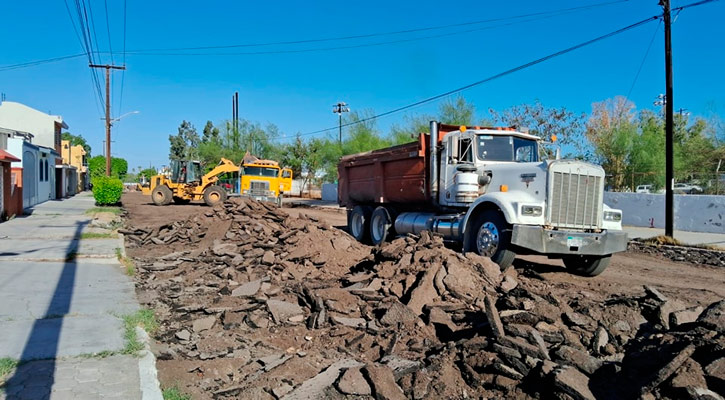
264,180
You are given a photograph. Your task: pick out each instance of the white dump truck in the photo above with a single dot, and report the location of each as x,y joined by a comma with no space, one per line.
488,189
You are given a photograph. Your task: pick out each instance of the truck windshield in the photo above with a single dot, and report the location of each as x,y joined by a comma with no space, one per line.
260,171
506,148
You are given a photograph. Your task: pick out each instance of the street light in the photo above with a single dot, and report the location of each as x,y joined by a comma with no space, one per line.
107,145
338,109
123,116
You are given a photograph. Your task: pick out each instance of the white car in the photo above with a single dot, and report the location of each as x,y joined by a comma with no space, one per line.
686,188
644,189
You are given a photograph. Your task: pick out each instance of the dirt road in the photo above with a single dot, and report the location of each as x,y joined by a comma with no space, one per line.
626,275
256,302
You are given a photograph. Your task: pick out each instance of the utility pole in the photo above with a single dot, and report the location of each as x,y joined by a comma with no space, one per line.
338,109
669,125
108,111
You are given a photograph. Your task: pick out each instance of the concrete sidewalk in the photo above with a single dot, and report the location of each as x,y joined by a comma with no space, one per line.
62,298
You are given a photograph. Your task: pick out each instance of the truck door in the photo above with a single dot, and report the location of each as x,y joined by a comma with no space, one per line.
285,183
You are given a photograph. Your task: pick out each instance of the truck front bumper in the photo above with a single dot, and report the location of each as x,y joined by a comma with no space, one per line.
549,241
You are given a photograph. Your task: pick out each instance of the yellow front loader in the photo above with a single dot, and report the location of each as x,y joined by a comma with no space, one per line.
186,183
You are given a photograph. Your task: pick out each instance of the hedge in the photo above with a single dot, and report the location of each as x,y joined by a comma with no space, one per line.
107,190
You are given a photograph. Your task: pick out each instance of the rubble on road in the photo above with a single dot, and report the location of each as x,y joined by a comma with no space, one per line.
257,304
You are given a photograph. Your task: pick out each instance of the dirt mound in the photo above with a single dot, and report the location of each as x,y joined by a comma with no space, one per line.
254,303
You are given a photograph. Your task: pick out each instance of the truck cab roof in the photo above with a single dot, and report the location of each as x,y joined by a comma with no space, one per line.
500,132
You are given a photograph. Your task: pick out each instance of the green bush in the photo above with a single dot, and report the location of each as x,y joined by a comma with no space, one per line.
107,190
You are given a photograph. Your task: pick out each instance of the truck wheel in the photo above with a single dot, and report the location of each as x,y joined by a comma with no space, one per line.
180,201
161,195
358,223
491,237
214,195
380,224
587,265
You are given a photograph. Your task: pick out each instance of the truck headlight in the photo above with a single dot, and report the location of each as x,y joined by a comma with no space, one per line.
614,216
531,211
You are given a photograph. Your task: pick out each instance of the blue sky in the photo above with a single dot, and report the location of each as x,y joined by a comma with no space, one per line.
296,90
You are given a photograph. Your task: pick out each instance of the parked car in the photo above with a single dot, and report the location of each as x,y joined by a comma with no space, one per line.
644,189
687,188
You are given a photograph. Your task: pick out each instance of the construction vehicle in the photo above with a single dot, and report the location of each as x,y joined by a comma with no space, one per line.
186,183
264,180
487,189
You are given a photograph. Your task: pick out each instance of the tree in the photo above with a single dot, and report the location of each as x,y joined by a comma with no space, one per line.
97,167
77,140
408,132
546,122
210,133
457,112
611,129
147,173
184,145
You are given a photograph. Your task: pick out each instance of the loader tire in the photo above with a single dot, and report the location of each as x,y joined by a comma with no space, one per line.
214,195
161,195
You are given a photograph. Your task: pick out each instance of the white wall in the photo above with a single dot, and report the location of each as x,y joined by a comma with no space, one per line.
20,117
329,192
695,213
296,189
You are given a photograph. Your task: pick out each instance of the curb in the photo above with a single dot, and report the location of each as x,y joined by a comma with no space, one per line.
147,372
150,387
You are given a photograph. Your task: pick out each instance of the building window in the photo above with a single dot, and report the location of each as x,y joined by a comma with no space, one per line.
40,169
46,169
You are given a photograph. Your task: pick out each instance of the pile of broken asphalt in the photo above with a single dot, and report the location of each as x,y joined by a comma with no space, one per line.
254,303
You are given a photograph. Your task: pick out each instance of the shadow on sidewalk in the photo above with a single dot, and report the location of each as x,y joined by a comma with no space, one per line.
44,337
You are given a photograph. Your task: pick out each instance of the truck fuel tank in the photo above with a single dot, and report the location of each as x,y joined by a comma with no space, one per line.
447,225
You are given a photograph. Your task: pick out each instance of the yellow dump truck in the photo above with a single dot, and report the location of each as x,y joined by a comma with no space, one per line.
264,180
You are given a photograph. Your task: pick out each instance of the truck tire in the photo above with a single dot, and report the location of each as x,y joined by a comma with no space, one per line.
214,195
491,237
180,201
381,223
358,223
161,195
587,265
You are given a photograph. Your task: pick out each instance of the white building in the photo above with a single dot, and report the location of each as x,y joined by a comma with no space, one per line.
38,164
35,139
44,127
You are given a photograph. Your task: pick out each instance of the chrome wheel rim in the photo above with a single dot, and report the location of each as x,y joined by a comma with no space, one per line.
487,239
357,225
378,230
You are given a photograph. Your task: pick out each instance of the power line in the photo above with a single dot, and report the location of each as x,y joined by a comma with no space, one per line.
646,53
493,77
39,62
378,34
123,72
553,13
80,41
355,46
108,30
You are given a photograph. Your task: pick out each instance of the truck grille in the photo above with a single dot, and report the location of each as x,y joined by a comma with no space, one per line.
259,187
575,196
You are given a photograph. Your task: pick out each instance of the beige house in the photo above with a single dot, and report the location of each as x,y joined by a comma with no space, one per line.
75,156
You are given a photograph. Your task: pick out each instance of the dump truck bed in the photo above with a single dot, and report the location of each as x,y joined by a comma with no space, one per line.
395,174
